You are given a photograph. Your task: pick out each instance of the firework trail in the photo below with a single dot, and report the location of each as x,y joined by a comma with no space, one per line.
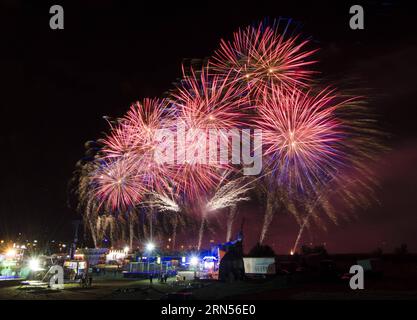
164,203
80,186
132,221
263,56
175,223
230,220
228,195
300,232
201,230
174,210
342,194
91,217
104,224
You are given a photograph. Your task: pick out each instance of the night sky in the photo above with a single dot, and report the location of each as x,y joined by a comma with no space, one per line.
56,85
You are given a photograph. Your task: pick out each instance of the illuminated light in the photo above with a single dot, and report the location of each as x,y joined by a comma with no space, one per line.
126,250
292,253
34,264
183,259
11,253
150,247
210,258
115,255
193,261
158,260
208,265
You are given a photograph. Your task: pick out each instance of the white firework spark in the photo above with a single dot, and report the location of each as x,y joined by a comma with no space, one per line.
228,195
164,203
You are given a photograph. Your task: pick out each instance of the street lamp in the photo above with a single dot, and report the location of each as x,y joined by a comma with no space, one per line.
150,247
194,261
34,264
11,253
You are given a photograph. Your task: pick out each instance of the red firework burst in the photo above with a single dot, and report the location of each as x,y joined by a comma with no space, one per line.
302,134
135,139
206,104
210,101
135,132
262,56
118,184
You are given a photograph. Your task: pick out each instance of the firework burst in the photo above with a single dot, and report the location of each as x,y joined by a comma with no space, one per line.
135,132
302,135
134,140
118,184
210,101
314,143
206,104
262,56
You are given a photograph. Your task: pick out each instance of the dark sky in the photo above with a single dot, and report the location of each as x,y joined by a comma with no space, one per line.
55,86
